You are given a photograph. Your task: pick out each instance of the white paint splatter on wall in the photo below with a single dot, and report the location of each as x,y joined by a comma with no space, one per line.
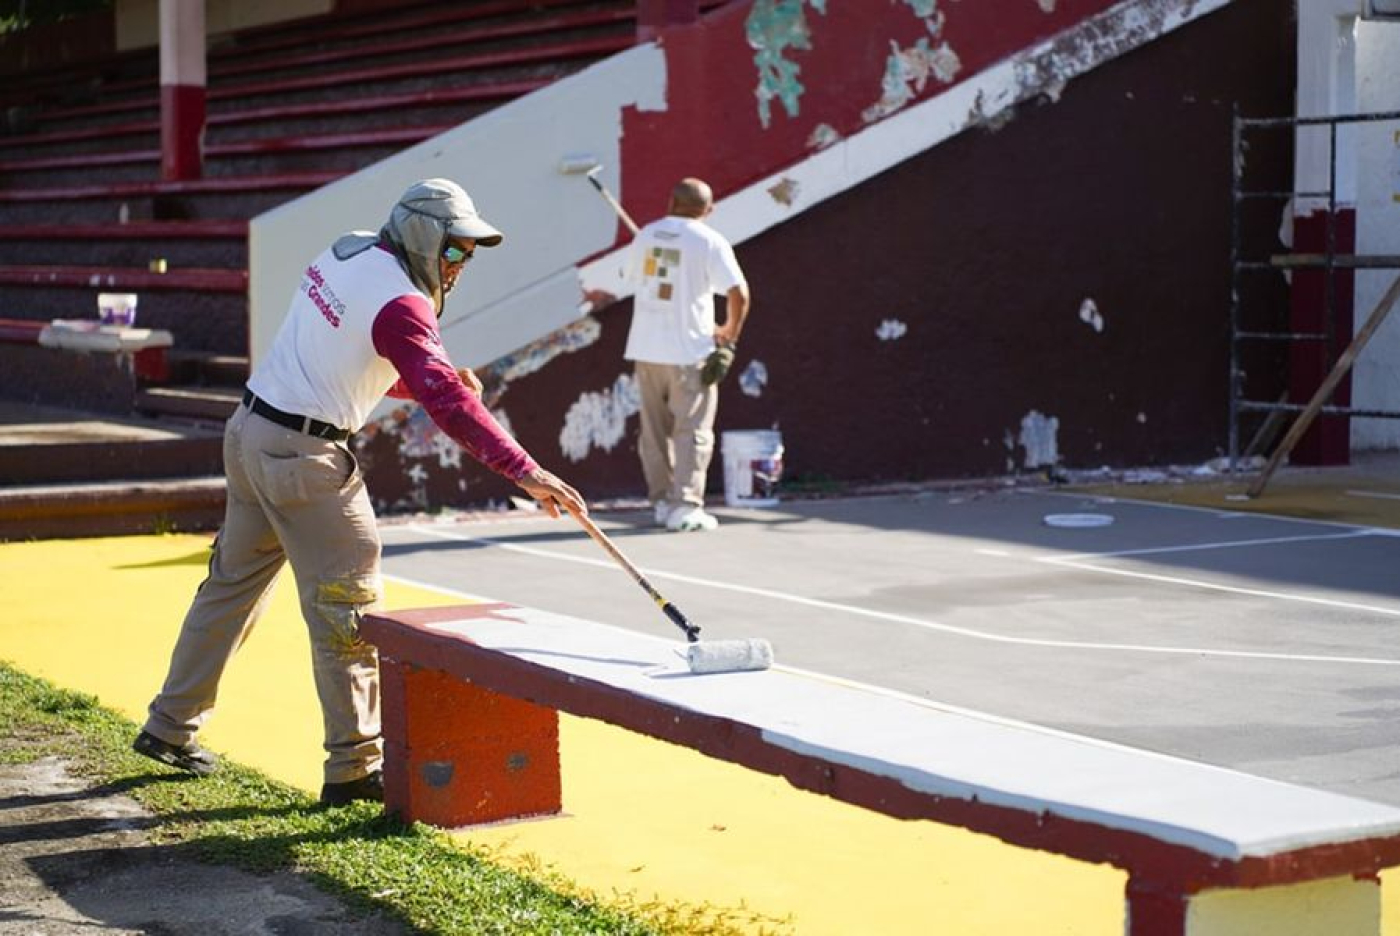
1089,315
1040,438
419,437
891,330
754,379
504,420
1047,6
599,419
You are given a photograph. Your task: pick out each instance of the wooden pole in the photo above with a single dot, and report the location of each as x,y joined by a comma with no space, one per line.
1324,392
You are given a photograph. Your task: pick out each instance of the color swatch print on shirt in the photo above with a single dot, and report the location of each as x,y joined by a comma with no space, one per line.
660,270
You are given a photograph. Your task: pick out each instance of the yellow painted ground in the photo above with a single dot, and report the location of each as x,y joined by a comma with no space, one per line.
645,818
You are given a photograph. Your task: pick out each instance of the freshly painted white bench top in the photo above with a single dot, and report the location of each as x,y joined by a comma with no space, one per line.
1161,817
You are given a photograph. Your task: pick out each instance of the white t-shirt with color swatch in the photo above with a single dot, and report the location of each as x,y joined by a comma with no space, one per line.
677,264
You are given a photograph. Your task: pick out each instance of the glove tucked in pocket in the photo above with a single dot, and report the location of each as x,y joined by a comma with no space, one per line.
717,365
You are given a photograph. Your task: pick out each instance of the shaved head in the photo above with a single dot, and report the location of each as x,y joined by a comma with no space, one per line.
691,198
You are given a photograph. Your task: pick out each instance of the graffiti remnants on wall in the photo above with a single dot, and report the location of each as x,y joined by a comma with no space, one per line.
754,379
1040,438
891,330
599,420
773,28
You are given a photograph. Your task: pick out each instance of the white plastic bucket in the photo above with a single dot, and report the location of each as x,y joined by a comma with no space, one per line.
117,308
753,464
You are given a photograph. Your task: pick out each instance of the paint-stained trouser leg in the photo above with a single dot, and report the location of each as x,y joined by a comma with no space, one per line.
654,441
242,570
315,498
693,406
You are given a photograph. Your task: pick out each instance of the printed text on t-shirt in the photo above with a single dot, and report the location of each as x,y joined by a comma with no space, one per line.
322,296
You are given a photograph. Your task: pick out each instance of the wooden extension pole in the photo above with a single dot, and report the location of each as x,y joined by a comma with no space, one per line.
1324,392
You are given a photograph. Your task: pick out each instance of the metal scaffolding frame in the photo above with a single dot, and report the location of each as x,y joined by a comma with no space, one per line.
1330,261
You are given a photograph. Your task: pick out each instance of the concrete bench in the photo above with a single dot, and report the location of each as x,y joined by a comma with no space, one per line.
471,698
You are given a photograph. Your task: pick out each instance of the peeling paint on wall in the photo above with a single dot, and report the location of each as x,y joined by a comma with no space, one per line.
754,379
535,355
907,72
822,136
784,192
774,27
1089,315
891,330
599,419
1040,438
416,437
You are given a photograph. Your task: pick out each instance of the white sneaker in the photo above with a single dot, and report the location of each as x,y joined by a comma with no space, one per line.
661,512
690,519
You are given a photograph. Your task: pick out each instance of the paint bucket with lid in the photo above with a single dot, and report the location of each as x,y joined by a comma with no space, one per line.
753,465
117,308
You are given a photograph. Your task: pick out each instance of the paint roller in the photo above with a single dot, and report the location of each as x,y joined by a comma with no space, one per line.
586,165
702,656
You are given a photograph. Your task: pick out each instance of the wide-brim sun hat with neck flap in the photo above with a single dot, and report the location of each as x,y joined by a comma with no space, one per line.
448,203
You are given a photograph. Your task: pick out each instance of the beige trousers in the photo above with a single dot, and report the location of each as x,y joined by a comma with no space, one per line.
290,498
678,432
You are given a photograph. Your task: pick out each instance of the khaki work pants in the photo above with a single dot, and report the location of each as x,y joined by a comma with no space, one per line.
290,497
677,435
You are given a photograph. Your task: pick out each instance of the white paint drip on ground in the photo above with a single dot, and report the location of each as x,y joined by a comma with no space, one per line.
754,379
1040,439
1089,315
891,330
599,419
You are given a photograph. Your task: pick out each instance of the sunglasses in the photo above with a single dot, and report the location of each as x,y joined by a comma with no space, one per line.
454,254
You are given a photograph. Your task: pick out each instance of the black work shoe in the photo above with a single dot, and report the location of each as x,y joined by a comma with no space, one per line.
369,787
191,758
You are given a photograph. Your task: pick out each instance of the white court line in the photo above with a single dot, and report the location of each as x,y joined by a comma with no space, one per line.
1380,495
1217,586
918,622
1222,513
1219,544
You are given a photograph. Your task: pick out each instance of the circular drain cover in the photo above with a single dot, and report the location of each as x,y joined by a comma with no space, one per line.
1078,520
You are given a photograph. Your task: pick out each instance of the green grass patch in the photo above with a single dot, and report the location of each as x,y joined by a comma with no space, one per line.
238,816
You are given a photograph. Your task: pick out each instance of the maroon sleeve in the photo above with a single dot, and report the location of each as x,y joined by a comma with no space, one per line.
405,333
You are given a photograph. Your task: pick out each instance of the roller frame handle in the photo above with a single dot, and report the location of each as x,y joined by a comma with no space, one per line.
616,205
691,631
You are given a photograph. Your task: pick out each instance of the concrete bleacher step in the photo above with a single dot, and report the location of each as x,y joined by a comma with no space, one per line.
115,203
291,107
181,244
364,112
111,508
190,401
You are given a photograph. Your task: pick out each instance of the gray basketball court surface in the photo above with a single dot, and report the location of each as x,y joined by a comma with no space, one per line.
1261,643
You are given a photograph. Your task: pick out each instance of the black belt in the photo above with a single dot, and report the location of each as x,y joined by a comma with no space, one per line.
304,424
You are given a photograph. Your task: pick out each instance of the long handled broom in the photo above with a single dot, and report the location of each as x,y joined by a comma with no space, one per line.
702,656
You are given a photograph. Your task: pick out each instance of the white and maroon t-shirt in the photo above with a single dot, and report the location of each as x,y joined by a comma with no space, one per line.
358,329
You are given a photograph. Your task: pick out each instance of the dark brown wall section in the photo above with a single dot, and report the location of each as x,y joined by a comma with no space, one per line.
986,247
